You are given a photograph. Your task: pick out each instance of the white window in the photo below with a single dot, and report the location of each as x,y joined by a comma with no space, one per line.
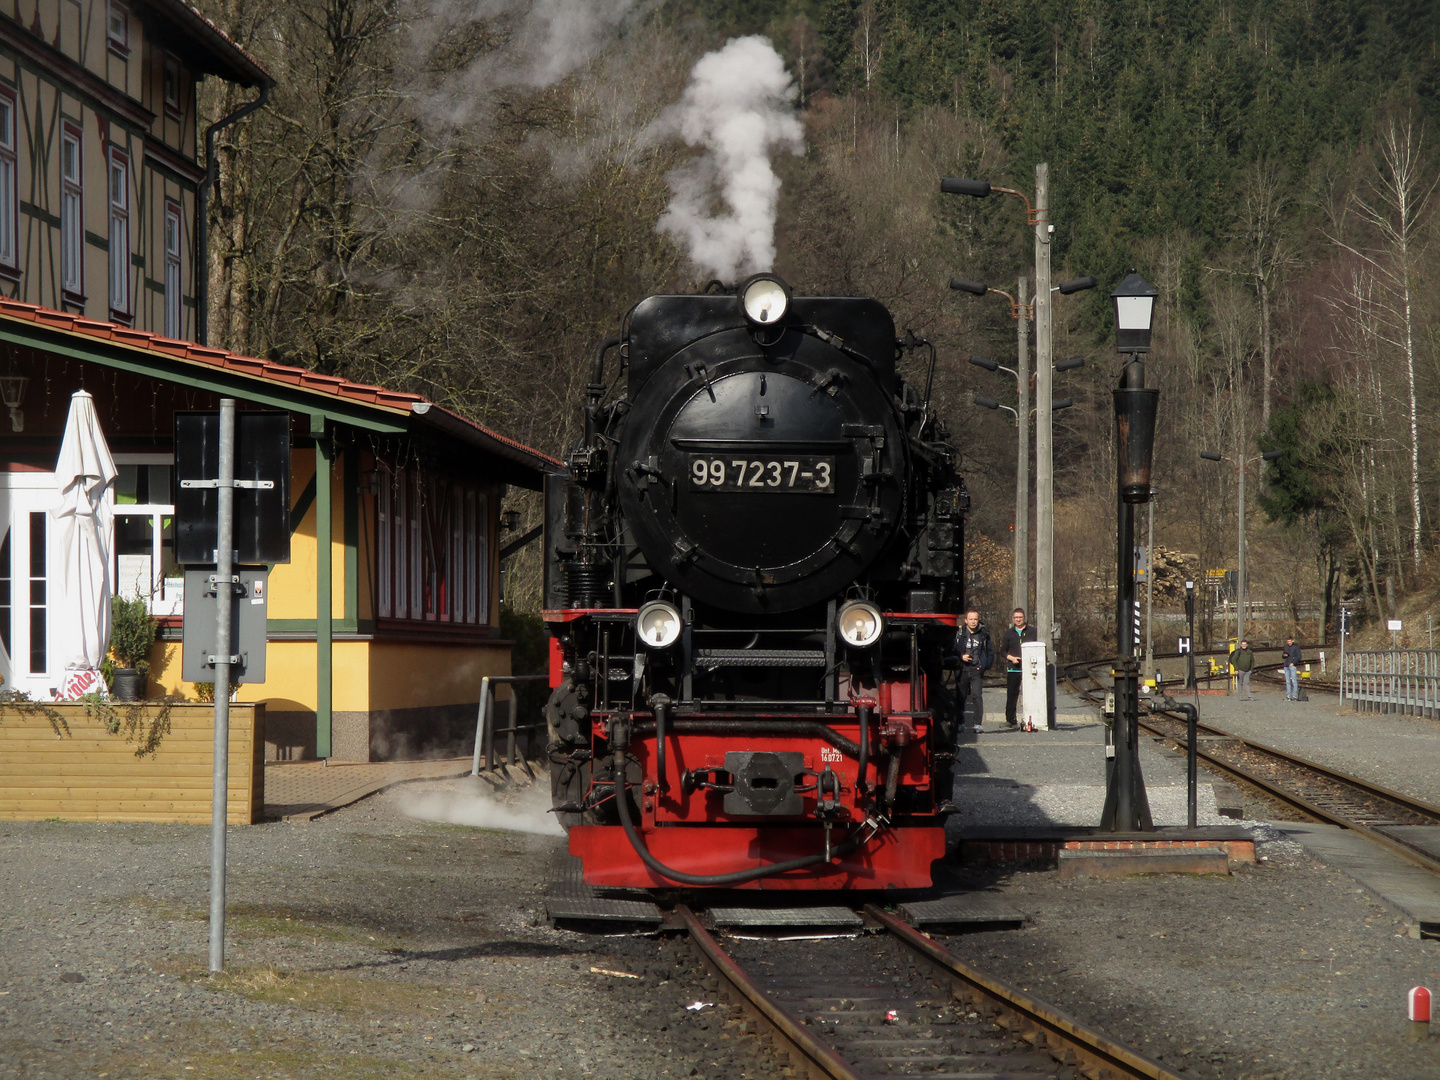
173,326
117,27
8,206
144,543
172,86
119,235
72,217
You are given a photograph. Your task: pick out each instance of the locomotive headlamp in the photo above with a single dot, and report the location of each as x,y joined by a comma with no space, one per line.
860,624
658,624
764,299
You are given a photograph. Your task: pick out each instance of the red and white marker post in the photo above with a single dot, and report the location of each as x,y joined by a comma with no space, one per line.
1419,1008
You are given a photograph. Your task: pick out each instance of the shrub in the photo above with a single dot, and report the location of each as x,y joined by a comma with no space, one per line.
132,632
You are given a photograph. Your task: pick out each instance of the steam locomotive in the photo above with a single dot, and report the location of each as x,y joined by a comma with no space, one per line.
753,570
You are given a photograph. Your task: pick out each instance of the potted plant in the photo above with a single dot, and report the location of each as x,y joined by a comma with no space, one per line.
132,635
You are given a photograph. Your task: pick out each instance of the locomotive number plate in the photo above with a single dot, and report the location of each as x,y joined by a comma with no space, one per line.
798,473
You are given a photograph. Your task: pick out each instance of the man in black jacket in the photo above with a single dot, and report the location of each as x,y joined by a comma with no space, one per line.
1015,636
972,644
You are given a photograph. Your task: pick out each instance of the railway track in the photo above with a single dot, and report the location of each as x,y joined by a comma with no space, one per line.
1324,794
895,1003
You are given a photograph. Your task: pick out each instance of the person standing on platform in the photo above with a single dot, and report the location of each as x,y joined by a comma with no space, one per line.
1015,636
1243,661
972,642
1290,659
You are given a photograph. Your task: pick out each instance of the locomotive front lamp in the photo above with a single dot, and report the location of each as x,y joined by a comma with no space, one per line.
658,624
860,624
764,299
1134,313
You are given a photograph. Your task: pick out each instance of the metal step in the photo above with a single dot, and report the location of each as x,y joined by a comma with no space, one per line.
786,918
962,909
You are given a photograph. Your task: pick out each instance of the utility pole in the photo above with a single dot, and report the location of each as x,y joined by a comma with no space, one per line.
1021,597
1044,444
224,606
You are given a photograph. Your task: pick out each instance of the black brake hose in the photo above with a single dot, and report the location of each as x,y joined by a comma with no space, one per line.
738,877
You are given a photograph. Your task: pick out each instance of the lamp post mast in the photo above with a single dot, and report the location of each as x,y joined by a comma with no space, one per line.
1044,453
1021,596
1240,554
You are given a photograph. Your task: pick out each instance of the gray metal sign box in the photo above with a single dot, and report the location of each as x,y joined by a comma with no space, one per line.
247,625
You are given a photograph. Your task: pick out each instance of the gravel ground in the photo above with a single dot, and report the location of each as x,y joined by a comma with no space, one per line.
364,941
386,946
1286,970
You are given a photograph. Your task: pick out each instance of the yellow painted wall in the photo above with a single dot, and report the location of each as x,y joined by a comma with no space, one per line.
405,675
367,674
292,584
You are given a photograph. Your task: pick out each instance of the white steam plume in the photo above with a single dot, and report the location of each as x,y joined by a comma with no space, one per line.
739,105
547,41
526,812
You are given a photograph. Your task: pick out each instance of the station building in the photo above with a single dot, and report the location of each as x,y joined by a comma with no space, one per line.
385,620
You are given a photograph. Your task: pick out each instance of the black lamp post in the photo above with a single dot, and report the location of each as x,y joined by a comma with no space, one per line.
1127,809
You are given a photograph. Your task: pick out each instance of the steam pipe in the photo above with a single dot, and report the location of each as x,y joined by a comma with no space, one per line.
892,779
202,214
597,374
862,777
595,391
661,704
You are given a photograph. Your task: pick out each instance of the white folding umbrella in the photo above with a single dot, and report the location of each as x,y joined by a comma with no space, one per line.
83,473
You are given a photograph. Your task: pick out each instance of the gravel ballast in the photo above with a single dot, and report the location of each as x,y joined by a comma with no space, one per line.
380,945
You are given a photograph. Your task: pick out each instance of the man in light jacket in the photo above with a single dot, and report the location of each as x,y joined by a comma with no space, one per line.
1290,658
1015,637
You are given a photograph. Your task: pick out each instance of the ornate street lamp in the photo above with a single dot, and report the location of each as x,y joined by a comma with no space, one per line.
1134,314
1127,809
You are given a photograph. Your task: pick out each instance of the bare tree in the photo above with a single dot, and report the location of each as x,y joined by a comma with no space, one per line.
1393,213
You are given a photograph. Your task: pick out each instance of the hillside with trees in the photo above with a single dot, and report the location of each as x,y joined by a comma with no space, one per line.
460,202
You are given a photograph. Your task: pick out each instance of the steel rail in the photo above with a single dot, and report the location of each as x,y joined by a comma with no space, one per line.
1416,806
1397,847
806,1052
1029,1018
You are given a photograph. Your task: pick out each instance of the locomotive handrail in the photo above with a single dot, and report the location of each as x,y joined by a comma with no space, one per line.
697,725
484,730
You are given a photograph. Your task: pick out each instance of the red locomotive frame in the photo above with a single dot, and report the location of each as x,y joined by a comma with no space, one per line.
684,827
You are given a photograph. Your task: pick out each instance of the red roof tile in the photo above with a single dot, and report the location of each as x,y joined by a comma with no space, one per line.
311,381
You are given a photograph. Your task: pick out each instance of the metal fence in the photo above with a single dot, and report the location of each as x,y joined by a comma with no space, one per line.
1393,681
485,730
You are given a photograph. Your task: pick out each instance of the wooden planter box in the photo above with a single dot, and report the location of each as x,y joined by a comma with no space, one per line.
91,775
